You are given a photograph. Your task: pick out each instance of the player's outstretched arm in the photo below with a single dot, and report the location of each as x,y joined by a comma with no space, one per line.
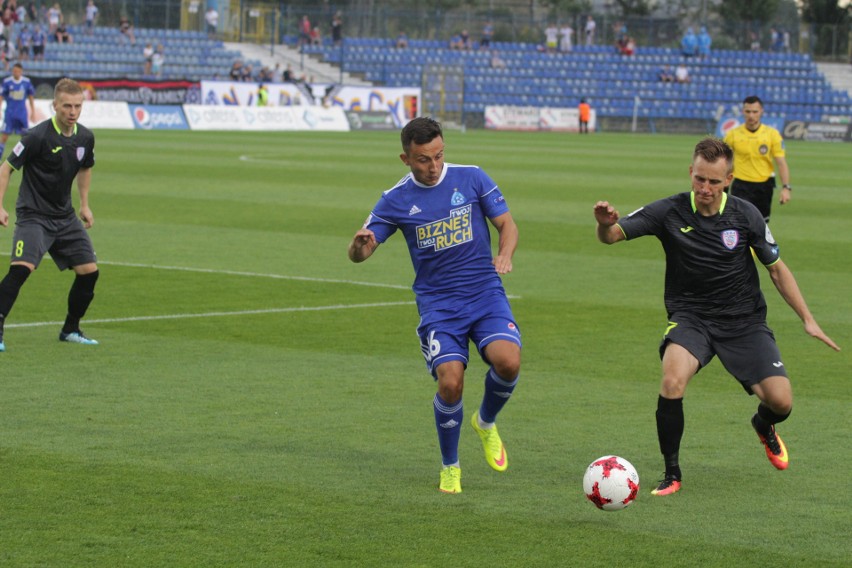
363,245
789,290
607,216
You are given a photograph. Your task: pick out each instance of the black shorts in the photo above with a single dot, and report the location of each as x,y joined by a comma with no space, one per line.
747,349
64,238
758,193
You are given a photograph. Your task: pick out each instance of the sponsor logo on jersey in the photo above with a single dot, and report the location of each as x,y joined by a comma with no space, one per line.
414,210
498,200
447,232
55,150
730,238
457,198
686,229
80,153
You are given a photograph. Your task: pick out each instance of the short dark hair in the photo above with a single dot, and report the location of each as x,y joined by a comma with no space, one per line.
712,150
18,65
421,130
750,100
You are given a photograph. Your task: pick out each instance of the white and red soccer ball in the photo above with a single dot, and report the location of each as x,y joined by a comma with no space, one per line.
611,483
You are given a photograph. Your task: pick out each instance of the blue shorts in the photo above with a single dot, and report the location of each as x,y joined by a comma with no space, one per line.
444,334
16,124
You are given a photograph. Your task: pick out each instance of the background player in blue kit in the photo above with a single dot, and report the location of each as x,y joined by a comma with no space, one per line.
17,91
443,212
713,299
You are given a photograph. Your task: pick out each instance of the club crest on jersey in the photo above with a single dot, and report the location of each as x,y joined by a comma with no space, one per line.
730,238
763,149
80,153
447,232
18,149
457,198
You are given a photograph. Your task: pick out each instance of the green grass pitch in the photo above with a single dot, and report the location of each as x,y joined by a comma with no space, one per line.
258,400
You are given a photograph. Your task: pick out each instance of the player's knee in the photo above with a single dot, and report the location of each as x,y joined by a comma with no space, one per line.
508,368
673,386
450,392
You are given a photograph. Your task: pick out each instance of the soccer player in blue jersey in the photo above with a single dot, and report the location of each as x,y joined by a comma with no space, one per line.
17,91
443,211
713,299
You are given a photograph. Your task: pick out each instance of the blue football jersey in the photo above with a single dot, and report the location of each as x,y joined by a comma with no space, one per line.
16,93
446,229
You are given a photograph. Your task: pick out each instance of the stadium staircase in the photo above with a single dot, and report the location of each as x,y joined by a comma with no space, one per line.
790,84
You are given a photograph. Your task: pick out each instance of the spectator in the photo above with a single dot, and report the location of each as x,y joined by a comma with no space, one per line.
497,61
566,43
54,18
316,36
126,29
8,52
666,75
755,42
21,12
40,39
247,74
402,40
456,42
305,29
689,43
158,60
682,74
465,40
262,95
147,55
785,41
628,46
287,75
551,38
61,35
211,17
590,30
236,72
32,12
25,42
704,43
337,29
487,35
91,17
9,17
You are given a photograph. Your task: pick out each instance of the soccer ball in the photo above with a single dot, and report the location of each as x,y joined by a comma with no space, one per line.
611,483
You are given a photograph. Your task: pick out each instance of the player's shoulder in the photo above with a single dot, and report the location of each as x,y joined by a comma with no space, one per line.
84,132
398,187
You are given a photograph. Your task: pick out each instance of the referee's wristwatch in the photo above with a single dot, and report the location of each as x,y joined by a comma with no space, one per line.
787,187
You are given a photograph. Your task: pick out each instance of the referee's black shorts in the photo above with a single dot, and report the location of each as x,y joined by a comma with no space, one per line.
746,348
758,193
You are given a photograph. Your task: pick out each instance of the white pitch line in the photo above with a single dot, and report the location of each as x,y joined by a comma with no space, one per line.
256,275
222,314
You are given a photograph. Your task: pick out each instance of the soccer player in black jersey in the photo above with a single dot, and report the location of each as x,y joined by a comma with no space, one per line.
713,299
52,155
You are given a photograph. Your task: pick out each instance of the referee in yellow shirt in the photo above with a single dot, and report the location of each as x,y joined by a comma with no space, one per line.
755,146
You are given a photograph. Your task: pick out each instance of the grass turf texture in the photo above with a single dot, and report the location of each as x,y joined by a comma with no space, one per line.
305,437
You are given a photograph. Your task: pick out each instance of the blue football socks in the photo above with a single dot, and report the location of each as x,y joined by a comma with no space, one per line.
448,421
497,393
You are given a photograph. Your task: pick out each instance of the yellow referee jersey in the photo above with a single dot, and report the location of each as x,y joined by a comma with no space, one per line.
754,152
